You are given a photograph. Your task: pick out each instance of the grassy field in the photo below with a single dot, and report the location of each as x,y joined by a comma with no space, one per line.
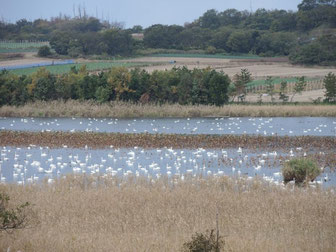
18,50
107,214
9,46
91,66
128,110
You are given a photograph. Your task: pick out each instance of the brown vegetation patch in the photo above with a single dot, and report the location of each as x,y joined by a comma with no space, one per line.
104,140
73,108
107,214
10,56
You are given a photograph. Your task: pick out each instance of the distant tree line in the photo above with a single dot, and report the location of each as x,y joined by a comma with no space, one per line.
307,36
179,85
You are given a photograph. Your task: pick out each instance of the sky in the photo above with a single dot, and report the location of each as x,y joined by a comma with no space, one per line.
134,12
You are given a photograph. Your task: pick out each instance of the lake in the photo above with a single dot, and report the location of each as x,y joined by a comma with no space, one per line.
33,164
281,126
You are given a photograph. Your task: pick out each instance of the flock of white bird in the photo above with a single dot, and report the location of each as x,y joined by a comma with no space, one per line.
28,165
262,126
33,164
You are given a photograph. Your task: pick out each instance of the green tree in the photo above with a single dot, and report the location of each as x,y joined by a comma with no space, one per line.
45,88
241,41
195,38
160,83
270,87
240,82
5,82
299,86
163,36
282,95
218,88
44,51
139,83
329,82
118,79
231,17
118,42
275,43
199,92
184,86
42,86
60,42
209,19
102,94
220,38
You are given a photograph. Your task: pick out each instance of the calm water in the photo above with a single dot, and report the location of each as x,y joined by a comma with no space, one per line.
291,126
33,164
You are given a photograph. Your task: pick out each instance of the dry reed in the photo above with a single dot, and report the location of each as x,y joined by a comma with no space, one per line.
106,214
74,108
145,140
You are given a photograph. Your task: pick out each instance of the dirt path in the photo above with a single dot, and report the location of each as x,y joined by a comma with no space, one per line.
29,58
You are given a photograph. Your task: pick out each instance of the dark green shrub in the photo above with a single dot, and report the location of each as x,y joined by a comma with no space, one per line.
207,242
301,170
44,51
330,86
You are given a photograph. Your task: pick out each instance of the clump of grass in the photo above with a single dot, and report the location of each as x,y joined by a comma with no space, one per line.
204,242
301,170
13,218
74,108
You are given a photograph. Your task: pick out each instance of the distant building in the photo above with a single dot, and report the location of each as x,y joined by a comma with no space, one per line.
138,36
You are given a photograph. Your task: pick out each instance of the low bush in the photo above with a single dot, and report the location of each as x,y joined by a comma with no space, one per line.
11,219
207,242
44,51
300,170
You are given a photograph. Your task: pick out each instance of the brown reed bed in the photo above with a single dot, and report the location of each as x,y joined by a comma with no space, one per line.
145,140
106,214
74,108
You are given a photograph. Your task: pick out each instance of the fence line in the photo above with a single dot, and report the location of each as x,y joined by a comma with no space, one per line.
311,85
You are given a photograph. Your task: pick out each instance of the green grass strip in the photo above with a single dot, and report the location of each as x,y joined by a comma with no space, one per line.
195,55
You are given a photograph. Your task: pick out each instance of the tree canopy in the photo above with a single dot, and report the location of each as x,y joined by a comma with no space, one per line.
301,34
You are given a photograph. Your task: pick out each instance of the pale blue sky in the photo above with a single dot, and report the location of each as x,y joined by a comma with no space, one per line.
132,12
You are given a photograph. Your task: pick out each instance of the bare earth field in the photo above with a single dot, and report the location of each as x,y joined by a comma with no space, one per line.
307,96
28,58
279,67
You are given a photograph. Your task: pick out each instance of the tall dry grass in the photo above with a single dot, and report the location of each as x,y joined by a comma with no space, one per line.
90,214
74,108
